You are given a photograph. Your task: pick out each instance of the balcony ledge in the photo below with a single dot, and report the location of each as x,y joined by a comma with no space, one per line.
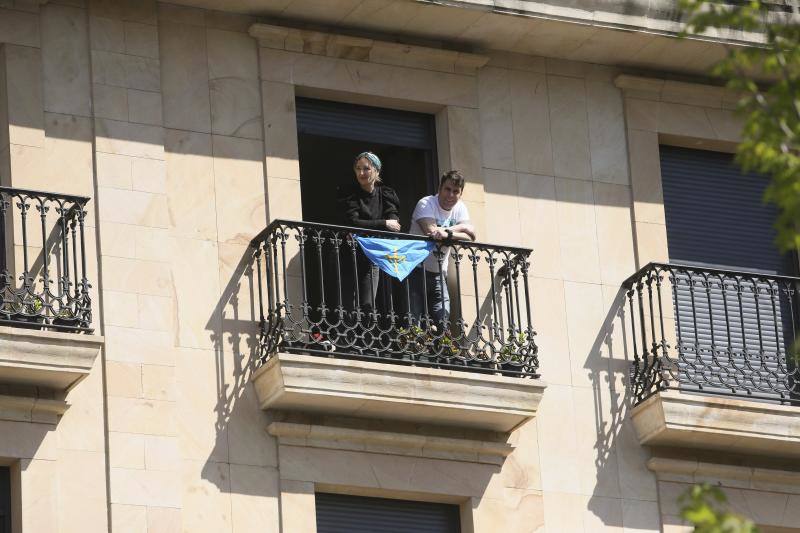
305,383
695,421
48,359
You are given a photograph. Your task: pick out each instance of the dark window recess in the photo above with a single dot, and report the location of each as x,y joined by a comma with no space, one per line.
331,134
715,214
337,513
716,218
5,500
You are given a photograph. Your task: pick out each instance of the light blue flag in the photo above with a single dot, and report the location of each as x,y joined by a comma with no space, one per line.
396,257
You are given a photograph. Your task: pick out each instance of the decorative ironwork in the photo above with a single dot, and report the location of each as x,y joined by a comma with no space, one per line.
43,280
310,302
713,331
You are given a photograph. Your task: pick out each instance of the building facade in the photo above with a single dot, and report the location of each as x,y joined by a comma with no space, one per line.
153,377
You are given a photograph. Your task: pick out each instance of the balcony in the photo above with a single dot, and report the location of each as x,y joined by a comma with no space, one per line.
713,363
44,291
326,349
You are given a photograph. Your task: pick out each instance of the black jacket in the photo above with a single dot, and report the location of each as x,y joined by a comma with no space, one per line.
368,210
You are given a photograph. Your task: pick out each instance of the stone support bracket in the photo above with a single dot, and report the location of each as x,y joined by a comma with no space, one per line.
48,359
694,421
370,390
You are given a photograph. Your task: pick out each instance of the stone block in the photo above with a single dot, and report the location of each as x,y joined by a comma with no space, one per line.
298,512
161,453
648,199
68,151
144,107
141,39
501,197
110,102
107,34
185,91
163,520
569,127
190,184
133,207
138,345
549,315
609,157
155,312
538,226
114,171
65,60
233,73
39,495
280,130
23,96
576,227
125,138
148,417
612,207
207,491
158,382
134,275
196,266
531,123
81,491
202,432
519,511
145,487
19,28
496,127
120,309
238,167
126,450
254,497
128,518
465,145
149,175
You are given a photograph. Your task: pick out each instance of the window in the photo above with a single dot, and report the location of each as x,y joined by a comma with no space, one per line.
734,314
337,513
5,500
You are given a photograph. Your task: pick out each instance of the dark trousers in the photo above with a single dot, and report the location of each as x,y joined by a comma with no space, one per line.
432,288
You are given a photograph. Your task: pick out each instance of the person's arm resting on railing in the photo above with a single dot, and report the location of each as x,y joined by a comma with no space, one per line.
462,231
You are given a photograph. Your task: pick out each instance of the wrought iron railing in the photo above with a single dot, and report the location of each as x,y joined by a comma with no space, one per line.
713,331
310,303
43,282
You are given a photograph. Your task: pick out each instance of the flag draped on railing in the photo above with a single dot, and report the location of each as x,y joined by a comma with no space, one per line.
396,257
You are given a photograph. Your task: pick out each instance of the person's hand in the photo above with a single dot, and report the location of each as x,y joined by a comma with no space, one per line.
392,225
438,234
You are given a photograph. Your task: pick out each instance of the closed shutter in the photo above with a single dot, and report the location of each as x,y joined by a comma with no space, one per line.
5,500
716,218
337,513
365,123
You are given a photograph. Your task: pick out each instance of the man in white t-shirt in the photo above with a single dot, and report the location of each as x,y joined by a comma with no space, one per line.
443,217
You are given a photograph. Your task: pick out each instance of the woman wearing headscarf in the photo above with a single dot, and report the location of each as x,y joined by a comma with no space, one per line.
368,204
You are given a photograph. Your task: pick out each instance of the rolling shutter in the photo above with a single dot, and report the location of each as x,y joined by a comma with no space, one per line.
365,123
337,513
715,217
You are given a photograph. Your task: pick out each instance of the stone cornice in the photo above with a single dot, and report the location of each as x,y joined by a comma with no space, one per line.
677,92
316,436
368,50
690,470
29,409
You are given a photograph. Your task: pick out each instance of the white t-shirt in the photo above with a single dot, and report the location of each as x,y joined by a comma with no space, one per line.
428,207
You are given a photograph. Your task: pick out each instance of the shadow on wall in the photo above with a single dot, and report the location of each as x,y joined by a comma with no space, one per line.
620,461
240,426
